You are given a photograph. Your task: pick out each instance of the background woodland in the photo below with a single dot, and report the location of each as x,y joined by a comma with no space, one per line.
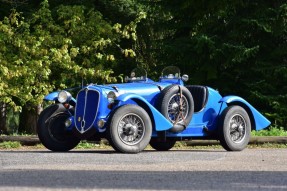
238,47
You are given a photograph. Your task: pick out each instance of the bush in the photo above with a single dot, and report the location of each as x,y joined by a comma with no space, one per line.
10,145
271,131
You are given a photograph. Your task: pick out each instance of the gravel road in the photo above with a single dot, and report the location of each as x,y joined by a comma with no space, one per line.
251,169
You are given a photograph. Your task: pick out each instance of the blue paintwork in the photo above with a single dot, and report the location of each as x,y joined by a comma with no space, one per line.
260,121
207,117
91,107
171,81
54,97
161,123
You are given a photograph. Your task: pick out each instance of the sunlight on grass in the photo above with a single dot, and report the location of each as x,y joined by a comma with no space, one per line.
91,145
272,131
10,145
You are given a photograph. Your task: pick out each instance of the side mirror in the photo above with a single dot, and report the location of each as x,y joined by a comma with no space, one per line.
184,77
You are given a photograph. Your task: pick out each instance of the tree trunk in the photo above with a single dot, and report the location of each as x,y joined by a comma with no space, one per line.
28,119
3,118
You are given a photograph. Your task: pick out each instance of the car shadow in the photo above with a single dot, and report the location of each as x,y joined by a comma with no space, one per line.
142,180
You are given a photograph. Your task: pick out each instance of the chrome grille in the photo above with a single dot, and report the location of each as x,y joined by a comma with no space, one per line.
86,109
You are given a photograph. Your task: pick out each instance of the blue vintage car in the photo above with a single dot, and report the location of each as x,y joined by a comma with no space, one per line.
141,111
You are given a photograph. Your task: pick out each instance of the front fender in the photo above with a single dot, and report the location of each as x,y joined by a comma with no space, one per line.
260,122
54,97
159,121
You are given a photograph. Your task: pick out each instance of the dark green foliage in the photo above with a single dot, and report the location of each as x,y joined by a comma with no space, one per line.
238,47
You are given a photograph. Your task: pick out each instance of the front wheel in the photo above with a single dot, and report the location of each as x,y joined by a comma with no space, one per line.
52,131
236,128
130,129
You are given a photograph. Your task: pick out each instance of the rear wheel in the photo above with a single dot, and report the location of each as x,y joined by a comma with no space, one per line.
162,145
52,131
130,129
236,128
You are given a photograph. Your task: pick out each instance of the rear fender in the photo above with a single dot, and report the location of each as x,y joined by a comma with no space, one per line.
54,97
258,121
159,122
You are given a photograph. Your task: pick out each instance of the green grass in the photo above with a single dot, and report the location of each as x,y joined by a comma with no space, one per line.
195,147
272,131
90,145
10,145
268,146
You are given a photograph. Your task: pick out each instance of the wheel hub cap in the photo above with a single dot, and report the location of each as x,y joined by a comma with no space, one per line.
177,108
237,127
131,129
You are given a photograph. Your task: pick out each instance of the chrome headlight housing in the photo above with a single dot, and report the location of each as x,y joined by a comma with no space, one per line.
112,96
64,96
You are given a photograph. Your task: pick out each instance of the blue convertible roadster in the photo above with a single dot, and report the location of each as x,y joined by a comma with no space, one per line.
141,112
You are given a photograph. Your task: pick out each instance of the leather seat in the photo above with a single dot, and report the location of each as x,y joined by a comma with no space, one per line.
200,96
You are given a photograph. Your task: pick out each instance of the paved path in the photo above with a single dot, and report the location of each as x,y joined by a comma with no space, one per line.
251,169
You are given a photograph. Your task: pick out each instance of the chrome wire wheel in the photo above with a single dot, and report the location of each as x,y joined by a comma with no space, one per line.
175,103
177,108
237,127
131,129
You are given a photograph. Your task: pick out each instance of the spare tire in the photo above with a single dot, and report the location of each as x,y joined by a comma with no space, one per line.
175,102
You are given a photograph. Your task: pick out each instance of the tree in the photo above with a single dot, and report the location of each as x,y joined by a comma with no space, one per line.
54,50
3,117
238,47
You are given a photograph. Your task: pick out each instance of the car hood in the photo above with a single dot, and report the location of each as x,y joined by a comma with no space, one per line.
144,89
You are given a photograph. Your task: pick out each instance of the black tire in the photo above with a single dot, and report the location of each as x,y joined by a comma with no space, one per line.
52,131
235,129
130,129
169,105
162,145
109,139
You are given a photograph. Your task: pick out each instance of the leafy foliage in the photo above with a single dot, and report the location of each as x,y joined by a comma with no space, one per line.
272,131
238,47
55,49
10,145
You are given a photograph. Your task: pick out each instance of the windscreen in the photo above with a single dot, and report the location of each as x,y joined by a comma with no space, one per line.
137,74
170,72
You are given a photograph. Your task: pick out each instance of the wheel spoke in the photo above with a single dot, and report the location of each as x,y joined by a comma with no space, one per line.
131,129
177,108
237,128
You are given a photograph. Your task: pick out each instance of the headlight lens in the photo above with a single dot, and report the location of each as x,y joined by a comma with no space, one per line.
64,96
112,96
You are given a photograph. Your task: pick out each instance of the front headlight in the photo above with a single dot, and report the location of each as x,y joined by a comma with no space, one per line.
64,96
112,96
